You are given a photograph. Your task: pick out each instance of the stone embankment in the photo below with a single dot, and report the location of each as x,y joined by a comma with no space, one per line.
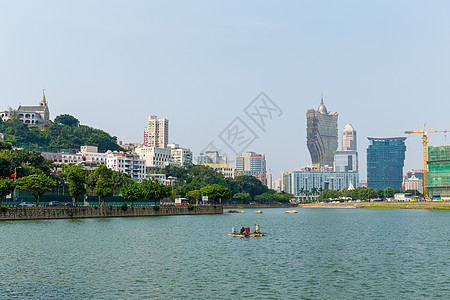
411,205
42,213
258,205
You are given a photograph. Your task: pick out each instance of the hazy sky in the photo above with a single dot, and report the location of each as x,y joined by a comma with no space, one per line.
384,66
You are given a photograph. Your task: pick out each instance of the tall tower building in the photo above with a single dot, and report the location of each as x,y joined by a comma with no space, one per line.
322,135
385,160
349,138
253,164
157,132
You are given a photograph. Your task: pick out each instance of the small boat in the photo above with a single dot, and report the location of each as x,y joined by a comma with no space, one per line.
242,212
291,211
258,212
232,211
247,232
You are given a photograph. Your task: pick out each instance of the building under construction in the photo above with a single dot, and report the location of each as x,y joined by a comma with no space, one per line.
439,171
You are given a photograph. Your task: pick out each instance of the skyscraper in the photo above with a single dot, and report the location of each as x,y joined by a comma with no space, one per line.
349,138
322,135
157,132
253,164
385,160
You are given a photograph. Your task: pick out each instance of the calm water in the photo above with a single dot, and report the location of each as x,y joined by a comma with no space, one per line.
315,254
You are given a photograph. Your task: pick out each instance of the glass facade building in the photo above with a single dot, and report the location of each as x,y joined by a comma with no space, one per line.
322,135
346,161
439,171
385,160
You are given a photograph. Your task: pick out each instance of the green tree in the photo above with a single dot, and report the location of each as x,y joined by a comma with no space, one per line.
132,191
37,184
76,175
67,120
242,198
195,195
250,185
216,192
6,187
153,190
103,188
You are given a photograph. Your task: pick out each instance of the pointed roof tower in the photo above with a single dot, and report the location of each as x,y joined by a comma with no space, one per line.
322,109
43,100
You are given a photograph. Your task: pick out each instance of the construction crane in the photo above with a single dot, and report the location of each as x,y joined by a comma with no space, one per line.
425,133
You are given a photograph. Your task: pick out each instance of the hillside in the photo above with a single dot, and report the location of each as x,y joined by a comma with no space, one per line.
64,133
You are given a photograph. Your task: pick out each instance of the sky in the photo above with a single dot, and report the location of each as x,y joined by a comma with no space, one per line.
384,66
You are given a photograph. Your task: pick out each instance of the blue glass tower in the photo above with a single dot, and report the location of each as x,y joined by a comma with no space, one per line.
385,160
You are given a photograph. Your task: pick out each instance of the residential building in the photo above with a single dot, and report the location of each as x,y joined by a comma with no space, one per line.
157,132
439,171
322,135
307,185
128,163
416,173
31,115
253,164
385,160
226,169
71,158
56,157
155,156
211,157
162,178
414,183
183,156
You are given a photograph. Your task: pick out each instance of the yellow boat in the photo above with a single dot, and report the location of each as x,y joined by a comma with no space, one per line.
291,211
258,212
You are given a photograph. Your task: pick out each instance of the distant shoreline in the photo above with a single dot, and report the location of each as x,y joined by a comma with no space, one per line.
382,205
227,206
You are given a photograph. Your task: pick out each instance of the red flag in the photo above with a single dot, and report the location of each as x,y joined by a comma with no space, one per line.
13,175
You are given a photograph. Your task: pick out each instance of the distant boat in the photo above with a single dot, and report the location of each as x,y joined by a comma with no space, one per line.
258,212
291,211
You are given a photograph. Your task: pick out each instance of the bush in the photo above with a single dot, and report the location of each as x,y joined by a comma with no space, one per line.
124,206
4,208
157,207
191,207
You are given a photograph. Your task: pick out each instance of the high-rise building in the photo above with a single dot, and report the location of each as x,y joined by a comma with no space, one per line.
414,183
157,132
322,135
346,161
211,157
253,164
439,171
128,163
414,173
385,160
349,141
183,156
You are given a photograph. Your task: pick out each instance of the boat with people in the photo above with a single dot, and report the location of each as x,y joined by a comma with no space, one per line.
245,232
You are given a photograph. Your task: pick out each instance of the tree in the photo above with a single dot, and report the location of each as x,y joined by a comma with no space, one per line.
67,120
6,187
251,185
103,188
153,190
216,192
37,184
194,195
242,197
76,175
132,191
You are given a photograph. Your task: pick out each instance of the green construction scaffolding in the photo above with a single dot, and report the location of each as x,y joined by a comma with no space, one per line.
439,171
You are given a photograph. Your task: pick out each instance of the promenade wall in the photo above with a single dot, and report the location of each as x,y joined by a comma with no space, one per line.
42,213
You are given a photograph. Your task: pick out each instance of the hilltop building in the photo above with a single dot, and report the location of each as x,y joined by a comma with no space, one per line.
183,156
253,164
226,169
322,135
156,134
31,115
439,171
211,157
385,160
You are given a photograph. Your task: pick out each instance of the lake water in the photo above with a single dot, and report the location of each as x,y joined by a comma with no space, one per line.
315,254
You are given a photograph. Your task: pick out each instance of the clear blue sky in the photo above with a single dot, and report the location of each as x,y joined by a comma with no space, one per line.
384,66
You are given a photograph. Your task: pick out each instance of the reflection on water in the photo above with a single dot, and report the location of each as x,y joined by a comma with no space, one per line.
315,254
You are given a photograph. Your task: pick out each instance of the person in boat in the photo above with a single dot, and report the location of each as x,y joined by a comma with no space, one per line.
242,230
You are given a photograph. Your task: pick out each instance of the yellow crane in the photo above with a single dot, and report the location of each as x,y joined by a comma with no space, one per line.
425,133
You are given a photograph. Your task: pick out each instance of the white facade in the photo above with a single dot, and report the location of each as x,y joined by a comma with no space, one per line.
69,158
157,132
128,163
349,141
183,156
414,183
155,157
226,169
31,115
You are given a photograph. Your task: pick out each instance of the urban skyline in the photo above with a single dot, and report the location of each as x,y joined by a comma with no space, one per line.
200,68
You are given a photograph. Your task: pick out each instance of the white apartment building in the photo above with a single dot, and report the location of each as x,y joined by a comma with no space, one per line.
183,156
226,169
128,163
155,157
156,134
414,183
